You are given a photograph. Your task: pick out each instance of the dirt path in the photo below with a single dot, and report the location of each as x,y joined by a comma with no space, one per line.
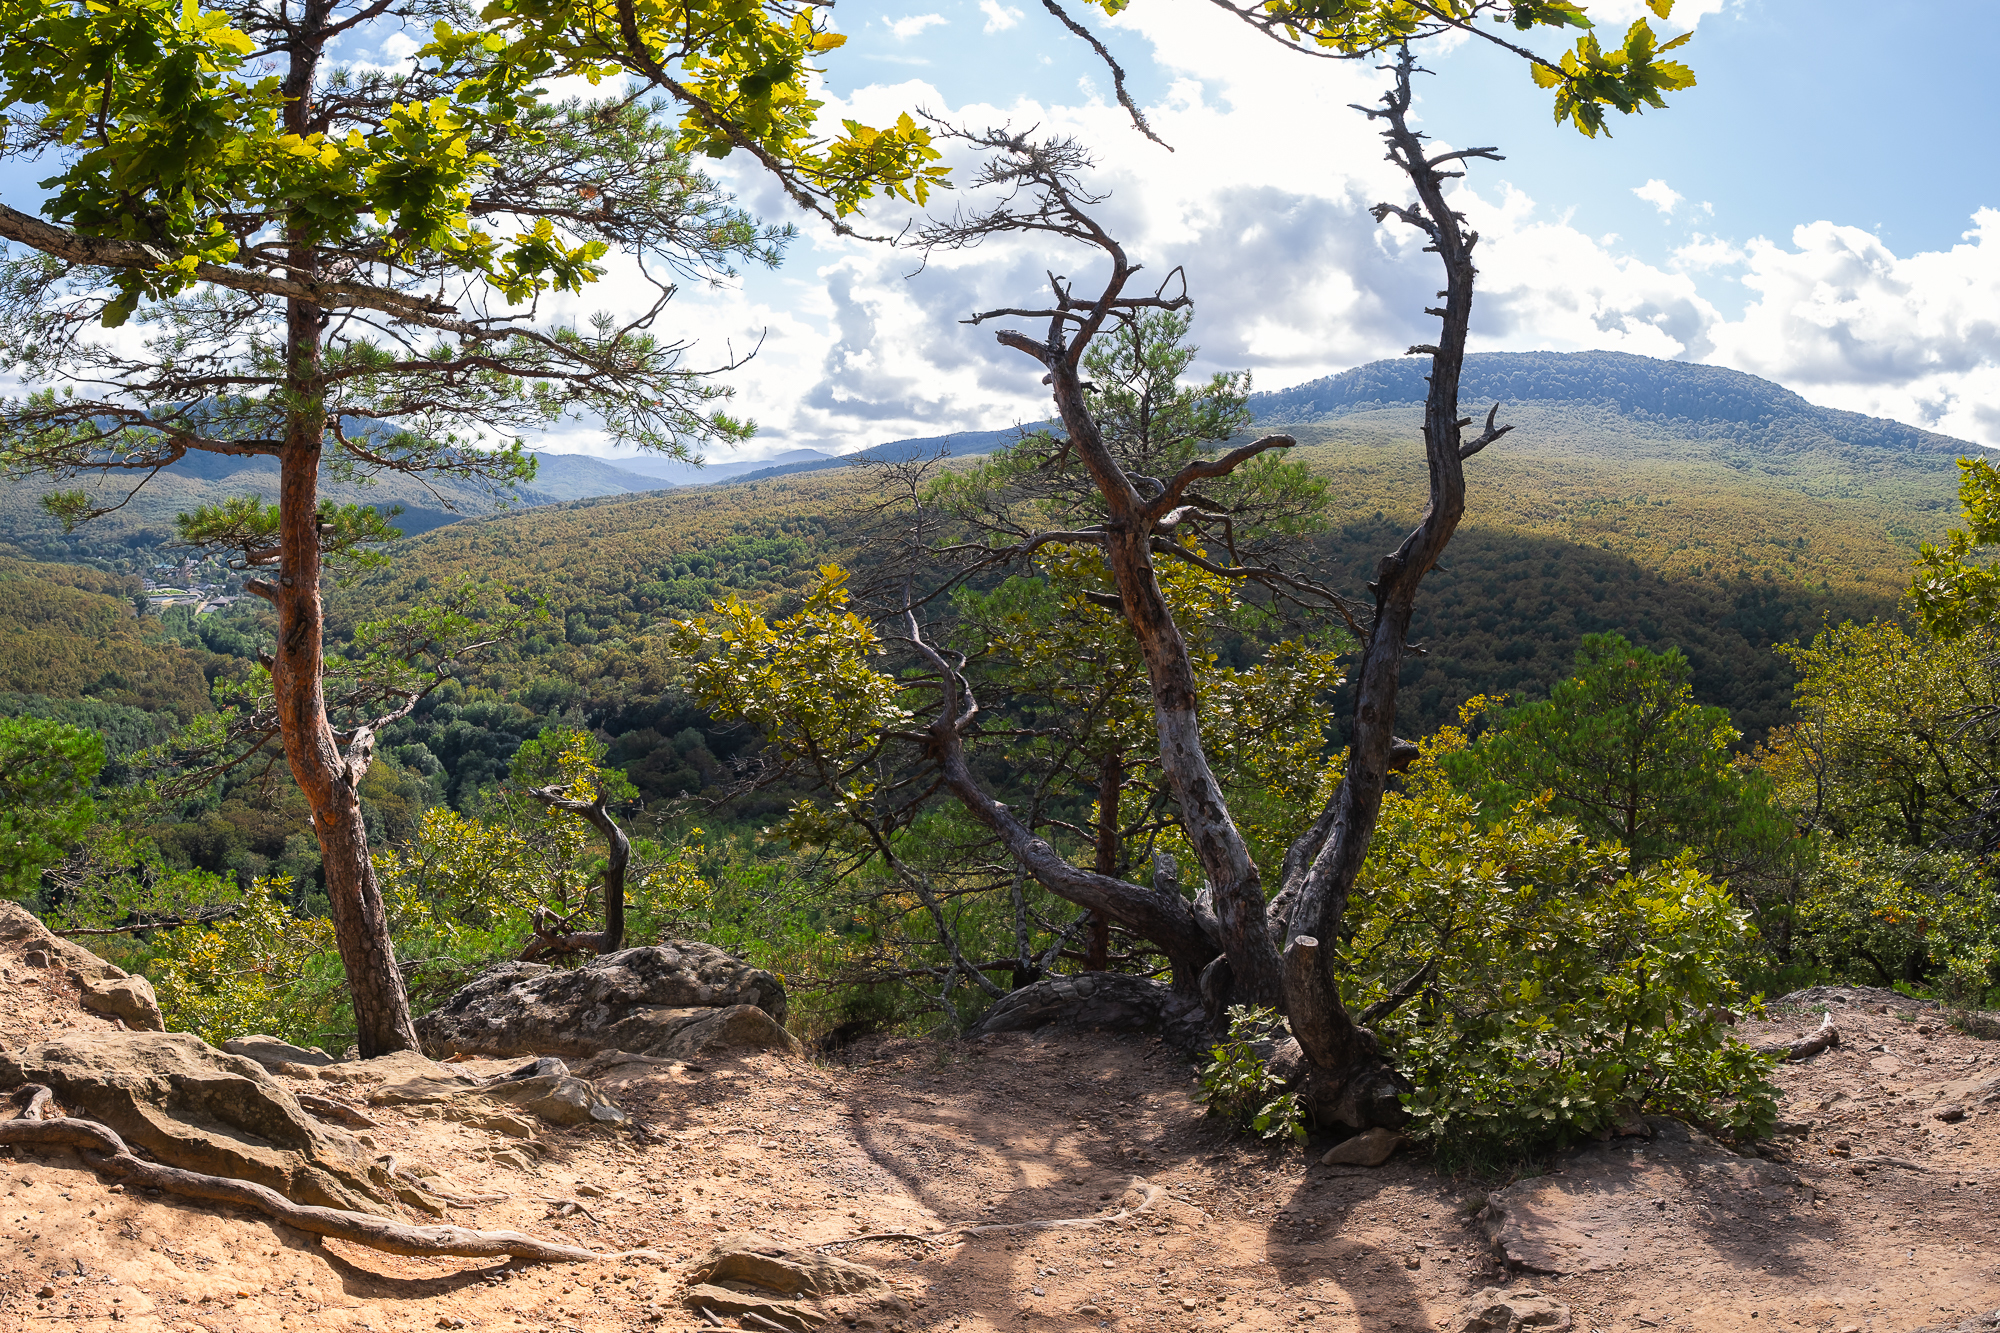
919,1137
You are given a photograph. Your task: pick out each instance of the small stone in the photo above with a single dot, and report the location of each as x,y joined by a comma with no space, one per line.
1412,1261
450,1321
1951,1115
1369,1148
590,1191
513,1157
1189,1303
1523,1310
46,1292
1089,1310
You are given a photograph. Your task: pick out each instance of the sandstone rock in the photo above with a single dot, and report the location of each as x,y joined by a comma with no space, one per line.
1371,1147
543,1087
557,1098
331,1111
192,1106
740,1027
1112,1001
776,1268
273,1053
778,1313
496,1121
1521,1311
747,1276
1619,1204
129,999
19,926
660,1000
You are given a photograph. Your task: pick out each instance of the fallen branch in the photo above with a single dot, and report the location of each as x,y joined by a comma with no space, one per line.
1827,1035
105,1151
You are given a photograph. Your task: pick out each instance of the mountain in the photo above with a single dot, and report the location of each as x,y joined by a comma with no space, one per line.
146,521
1684,505
718,468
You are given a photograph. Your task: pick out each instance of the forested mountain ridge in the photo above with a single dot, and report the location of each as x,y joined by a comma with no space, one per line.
1723,534
1705,402
147,522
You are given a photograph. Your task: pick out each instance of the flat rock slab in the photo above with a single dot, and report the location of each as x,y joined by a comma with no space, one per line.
271,1052
1110,1001
673,1001
1604,1207
192,1106
543,1087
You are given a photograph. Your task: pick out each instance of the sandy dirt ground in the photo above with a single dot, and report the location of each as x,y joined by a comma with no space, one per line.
915,1137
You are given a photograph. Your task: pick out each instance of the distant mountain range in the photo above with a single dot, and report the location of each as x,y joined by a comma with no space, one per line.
1641,407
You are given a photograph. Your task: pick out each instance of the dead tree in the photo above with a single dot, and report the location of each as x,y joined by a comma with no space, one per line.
554,934
1244,949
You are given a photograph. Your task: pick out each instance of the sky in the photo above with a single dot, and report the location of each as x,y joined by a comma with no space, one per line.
1822,210
1818,211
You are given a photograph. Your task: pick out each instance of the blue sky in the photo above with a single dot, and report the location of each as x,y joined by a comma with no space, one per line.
1823,210
1812,212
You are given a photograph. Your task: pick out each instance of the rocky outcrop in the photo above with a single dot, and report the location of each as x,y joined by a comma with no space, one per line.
544,1087
1371,1147
780,1287
271,1052
1611,1205
1111,1001
129,999
107,990
672,1001
189,1105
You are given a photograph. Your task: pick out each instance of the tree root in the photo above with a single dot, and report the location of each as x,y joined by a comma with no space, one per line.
1826,1035
1153,1193
105,1151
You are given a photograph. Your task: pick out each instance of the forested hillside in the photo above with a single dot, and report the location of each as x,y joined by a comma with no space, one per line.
1596,513
139,532
1682,505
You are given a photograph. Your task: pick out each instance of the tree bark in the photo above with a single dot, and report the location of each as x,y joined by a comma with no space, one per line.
1219,846
329,779
1313,908
1110,782
617,859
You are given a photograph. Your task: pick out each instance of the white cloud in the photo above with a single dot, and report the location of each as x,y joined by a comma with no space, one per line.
906,28
999,17
1292,279
1659,195
1704,253
1848,323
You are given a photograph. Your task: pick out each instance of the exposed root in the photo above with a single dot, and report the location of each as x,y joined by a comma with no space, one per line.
1153,1193
105,1151
1827,1035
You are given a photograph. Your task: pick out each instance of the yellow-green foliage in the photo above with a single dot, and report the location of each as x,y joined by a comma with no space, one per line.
68,632
264,970
1562,992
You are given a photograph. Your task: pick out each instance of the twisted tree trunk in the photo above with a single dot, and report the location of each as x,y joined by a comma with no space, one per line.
1310,911
329,778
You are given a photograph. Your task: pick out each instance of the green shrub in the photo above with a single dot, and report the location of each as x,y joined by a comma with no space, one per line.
1562,992
1237,1087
